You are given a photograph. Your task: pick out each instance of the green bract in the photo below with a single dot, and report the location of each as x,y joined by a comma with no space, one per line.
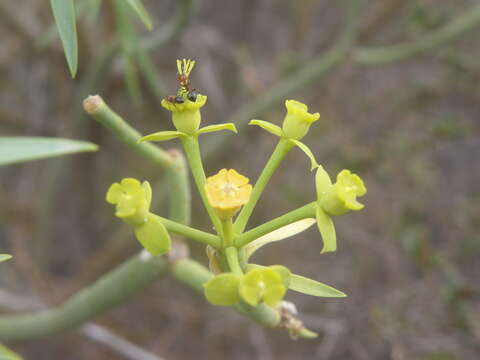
262,285
335,199
153,236
186,116
298,120
223,289
132,200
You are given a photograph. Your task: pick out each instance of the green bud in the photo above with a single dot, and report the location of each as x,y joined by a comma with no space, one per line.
262,285
298,120
223,289
132,200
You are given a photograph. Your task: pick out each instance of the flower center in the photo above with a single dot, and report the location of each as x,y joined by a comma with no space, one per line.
229,189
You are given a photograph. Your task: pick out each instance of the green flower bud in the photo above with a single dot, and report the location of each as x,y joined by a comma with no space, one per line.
341,197
186,116
262,285
223,289
132,200
298,120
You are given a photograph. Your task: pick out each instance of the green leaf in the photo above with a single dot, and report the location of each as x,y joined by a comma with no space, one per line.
223,289
217,127
279,234
271,128
141,11
20,149
64,14
311,287
327,230
4,257
153,236
7,354
162,136
307,152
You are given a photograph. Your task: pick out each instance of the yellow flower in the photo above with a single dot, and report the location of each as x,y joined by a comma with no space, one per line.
227,192
298,120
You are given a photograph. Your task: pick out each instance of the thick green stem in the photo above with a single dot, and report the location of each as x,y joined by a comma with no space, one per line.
192,150
191,233
304,212
282,149
112,289
392,53
95,106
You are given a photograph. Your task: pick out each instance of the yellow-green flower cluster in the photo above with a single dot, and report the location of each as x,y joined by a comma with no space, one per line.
132,200
336,199
259,285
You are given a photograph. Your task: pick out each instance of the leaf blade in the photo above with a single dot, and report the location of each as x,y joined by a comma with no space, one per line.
4,257
312,287
20,149
138,7
217,127
308,152
161,136
64,15
271,128
279,234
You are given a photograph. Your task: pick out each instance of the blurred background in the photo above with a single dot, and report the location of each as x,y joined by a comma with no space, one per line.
410,128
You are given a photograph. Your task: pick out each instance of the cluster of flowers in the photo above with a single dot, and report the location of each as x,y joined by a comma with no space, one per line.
225,193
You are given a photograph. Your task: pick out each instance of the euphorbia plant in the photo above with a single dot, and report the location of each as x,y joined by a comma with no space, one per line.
229,199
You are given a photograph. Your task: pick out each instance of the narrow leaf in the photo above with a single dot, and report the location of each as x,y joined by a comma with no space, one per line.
279,234
4,257
153,236
307,152
271,128
327,230
217,127
161,136
312,287
7,354
141,11
64,14
19,149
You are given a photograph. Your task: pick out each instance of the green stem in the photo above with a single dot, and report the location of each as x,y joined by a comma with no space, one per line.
392,53
227,228
304,212
281,150
192,150
191,233
231,254
95,106
114,288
